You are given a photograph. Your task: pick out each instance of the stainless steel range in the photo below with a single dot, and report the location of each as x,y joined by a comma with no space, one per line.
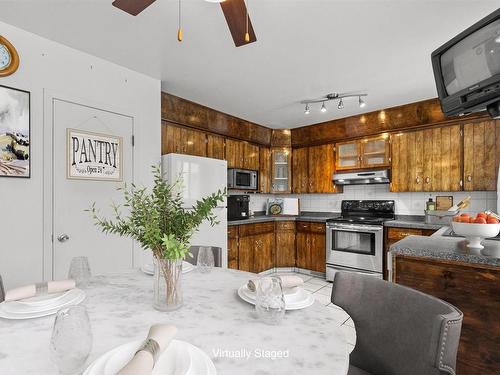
355,239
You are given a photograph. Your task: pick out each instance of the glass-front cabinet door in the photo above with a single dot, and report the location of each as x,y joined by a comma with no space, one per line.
375,152
348,155
280,181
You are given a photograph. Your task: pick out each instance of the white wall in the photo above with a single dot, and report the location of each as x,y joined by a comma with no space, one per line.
46,65
406,203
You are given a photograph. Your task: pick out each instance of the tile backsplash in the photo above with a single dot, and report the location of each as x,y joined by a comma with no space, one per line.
406,203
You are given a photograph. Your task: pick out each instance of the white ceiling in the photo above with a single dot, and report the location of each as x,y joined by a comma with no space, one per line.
305,49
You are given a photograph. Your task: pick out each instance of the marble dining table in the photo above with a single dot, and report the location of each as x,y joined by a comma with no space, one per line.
213,317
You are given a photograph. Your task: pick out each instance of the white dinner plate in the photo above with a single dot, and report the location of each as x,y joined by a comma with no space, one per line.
293,301
180,358
15,310
149,269
43,300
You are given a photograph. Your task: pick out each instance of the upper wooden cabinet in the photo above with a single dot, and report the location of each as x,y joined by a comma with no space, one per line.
481,155
280,170
313,168
365,153
427,160
215,147
242,155
265,170
182,140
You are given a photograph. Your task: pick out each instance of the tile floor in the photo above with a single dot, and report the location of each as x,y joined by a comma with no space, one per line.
322,292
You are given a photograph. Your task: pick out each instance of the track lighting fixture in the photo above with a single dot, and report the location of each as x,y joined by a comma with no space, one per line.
361,102
335,96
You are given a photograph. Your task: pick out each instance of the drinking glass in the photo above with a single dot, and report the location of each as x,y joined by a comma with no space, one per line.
205,261
270,301
79,270
71,340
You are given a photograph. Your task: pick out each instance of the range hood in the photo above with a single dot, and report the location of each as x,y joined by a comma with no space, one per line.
362,178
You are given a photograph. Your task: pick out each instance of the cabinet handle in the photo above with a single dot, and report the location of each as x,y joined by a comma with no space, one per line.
427,180
469,178
417,180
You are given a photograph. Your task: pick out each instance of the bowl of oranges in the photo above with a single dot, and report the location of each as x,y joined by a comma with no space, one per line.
476,228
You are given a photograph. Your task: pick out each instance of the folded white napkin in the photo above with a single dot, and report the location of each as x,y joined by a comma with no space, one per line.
38,289
143,362
287,281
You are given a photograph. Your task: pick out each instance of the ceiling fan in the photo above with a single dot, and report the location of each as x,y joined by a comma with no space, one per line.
235,12
334,96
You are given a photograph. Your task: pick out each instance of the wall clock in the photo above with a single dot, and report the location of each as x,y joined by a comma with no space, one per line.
9,59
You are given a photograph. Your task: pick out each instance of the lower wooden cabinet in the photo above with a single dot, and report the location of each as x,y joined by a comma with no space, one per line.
472,288
232,247
256,247
311,246
285,244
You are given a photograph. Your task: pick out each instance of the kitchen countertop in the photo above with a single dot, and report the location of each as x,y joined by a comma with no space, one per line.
412,221
448,248
320,217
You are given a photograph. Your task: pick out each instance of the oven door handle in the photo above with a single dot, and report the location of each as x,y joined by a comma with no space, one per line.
354,270
354,229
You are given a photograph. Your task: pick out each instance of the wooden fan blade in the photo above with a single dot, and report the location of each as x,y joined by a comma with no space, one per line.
235,12
133,7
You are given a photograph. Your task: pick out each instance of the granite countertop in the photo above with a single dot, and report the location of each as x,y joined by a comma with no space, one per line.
213,318
320,217
448,248
412,221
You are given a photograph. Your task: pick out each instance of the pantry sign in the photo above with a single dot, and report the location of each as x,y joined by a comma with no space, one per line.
93,156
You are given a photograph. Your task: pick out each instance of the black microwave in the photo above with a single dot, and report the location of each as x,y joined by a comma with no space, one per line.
244,179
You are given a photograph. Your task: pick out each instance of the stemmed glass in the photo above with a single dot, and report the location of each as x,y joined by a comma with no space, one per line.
270,301
79,270
205,261
71,340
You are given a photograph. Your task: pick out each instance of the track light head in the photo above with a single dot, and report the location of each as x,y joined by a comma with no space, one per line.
323,108
307,110
361,102
341,104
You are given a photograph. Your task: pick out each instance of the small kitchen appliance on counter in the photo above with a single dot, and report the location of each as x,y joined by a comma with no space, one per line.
355,240
243,179
238,207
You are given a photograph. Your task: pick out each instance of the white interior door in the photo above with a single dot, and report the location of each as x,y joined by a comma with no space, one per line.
106,253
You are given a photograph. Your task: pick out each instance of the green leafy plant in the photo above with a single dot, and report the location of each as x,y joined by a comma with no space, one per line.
156,218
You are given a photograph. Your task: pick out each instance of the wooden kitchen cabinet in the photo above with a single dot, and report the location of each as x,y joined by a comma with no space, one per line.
280,170
475,290
427,160
300,170
313,168
181,140
365,153
215,147
285,244
481,155
265,170
311,246
232,247
256,247
234,153
250,156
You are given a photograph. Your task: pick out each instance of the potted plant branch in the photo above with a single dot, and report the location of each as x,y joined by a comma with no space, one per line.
156,219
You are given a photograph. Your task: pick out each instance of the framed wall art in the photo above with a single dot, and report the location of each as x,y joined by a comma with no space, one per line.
15,142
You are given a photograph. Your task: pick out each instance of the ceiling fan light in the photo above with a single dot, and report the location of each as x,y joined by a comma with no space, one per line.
362,103
323,108
341,104
307,110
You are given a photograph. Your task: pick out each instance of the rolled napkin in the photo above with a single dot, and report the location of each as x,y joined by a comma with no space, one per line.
143,362
39,289
287,281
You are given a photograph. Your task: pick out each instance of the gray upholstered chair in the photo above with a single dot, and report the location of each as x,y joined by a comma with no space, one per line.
400,331
194,250
2,290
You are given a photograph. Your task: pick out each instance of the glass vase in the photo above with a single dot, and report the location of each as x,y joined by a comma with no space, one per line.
167,284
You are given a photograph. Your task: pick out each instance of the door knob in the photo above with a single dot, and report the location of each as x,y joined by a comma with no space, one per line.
63,238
